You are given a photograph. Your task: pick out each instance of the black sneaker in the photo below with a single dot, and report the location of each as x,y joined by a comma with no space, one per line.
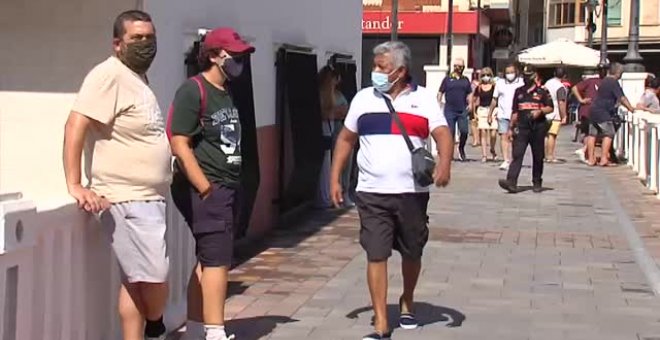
461,155
378,336
537,188
508,186
408,321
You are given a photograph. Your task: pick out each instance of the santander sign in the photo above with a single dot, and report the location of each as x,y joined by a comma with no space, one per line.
426,23
369,24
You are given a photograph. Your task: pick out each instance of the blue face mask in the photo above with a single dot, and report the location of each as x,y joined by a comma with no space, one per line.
381,81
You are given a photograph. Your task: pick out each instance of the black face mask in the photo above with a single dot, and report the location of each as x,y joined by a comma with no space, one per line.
233,67
530,80
459,70
138,55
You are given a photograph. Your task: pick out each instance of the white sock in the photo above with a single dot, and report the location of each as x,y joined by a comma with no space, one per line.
215,332
194,330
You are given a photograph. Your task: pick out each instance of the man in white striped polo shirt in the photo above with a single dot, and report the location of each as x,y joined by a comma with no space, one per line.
392,206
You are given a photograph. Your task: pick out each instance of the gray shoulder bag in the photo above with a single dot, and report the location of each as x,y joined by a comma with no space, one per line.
423,163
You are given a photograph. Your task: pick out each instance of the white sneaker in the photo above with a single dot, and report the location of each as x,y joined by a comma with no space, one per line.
581,155
504,165
218,335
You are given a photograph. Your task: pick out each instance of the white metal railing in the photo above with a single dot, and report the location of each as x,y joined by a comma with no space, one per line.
59,279
639,140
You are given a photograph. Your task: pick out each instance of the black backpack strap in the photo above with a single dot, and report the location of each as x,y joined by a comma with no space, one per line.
402,128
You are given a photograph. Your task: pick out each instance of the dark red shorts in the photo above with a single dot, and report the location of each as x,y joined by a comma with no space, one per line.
210,220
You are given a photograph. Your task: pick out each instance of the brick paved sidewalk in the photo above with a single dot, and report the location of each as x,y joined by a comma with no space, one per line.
529,266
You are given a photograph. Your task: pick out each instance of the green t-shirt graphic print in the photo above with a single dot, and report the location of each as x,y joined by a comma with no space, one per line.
217,138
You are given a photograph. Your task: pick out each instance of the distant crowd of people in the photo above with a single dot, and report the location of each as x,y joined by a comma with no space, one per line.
489,106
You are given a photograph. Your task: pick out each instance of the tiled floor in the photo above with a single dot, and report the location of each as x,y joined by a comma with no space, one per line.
529,266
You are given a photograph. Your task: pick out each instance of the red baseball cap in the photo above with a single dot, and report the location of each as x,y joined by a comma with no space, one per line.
227,39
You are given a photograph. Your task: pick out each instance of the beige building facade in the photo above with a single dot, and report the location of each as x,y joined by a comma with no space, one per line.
568,19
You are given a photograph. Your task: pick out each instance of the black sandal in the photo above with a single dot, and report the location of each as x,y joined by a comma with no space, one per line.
378,336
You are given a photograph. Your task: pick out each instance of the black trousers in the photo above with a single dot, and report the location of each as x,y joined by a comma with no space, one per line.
532,134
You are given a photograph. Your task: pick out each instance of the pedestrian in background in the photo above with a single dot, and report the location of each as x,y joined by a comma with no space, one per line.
391,203
456,90
474,121
556,118
585,92
130,170
206,140
501,108
482,98
529,126
333,112
649,100
604,115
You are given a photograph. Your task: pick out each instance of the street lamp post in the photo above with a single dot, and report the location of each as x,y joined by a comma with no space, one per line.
395,20
478,38
633,60
591,25
603,34
450,31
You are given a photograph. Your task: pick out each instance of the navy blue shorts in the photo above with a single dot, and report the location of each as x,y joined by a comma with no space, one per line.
210,220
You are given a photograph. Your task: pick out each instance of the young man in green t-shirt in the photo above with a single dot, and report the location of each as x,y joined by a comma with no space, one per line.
206,136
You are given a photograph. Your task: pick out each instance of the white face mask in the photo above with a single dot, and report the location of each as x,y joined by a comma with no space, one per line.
510,76
486,79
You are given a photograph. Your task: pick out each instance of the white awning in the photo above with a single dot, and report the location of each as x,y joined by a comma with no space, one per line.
372,2
560,52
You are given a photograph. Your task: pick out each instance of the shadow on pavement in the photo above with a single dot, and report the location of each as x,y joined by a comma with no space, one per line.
426,313
524,188
249,328
257,327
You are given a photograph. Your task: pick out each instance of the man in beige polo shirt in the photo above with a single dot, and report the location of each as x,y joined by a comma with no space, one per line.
128,162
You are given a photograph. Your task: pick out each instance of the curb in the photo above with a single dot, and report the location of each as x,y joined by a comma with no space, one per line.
645,261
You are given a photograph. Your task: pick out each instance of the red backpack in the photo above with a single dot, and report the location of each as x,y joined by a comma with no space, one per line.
202,106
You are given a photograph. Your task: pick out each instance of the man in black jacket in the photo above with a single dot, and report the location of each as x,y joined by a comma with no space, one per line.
528,127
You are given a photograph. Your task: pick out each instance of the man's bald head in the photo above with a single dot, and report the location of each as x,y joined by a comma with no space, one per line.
459,67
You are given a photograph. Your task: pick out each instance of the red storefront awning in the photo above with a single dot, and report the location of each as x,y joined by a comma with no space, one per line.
419,23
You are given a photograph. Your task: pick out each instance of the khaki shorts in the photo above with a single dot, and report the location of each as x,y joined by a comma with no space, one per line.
137,235
482,117
555,126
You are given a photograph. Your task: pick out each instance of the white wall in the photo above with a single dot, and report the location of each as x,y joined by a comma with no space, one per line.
329,26
48,47
460,49
571,33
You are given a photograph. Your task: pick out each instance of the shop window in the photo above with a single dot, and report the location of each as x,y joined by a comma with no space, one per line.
614,12
299,119
566,13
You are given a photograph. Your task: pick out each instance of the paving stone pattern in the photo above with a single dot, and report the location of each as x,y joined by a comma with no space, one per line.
529,266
